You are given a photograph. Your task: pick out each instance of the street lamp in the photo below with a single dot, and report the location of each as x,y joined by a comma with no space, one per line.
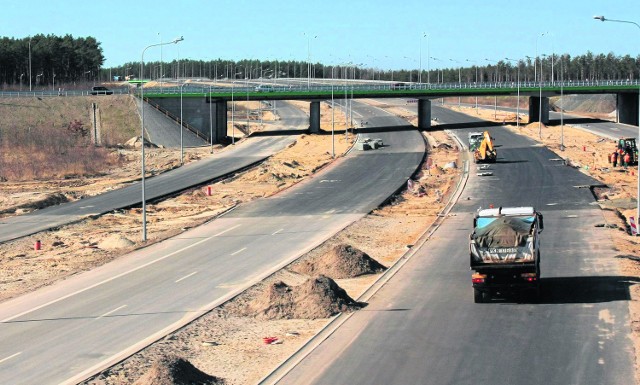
309,58
29,63
233,110
476,82
602,18
518,100
144,205
424,34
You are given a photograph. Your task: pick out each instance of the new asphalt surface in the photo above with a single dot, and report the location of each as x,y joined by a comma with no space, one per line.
422,326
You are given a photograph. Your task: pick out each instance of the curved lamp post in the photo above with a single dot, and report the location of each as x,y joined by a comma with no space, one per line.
602,18
518,100
144,203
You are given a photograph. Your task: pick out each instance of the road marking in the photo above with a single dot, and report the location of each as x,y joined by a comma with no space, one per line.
552,204
277,231
227,230
239,251
330,211
186,276
112,278
10,357
112,311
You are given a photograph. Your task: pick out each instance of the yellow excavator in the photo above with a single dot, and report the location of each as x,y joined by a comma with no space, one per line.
485,153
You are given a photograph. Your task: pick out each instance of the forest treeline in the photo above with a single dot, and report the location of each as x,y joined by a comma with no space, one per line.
557,67
46,60
43,59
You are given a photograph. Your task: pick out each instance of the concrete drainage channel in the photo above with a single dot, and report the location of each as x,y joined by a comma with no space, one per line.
287,365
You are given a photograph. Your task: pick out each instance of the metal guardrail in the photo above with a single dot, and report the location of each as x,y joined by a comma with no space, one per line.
48,93
340,86
391,87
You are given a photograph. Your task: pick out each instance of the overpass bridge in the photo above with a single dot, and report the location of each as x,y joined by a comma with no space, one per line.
205,105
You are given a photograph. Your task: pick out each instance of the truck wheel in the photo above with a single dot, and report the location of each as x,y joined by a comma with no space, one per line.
478,296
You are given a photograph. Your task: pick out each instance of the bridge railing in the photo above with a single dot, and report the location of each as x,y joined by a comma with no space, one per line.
337,86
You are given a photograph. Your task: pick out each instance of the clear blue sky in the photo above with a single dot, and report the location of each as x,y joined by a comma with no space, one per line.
375,33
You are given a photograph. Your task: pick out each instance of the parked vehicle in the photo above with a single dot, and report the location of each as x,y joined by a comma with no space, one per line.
504,252
628,146
100,90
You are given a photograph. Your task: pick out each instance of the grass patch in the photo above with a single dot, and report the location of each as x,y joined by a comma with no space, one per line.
50,137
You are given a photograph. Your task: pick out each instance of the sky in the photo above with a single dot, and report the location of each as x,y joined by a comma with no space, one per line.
381,34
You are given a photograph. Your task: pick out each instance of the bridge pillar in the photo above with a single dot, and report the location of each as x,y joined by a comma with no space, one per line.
220,122
534,109
627,108
314,117
424,114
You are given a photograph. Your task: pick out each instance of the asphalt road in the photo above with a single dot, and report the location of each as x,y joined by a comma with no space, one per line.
64,332
163,131
244,154
605,128
422,327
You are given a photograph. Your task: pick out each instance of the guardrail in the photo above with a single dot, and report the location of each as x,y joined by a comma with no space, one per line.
48,93
338,86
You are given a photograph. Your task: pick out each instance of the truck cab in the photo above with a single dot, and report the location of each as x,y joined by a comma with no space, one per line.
504,250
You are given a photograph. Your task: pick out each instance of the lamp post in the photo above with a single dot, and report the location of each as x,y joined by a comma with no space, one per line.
144,205
476,82
602,18
518,100
309,58
29,63
233,110
424,34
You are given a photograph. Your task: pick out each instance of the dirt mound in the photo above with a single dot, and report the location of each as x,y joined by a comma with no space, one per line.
318,297
135,143
115,241
342,261
174,370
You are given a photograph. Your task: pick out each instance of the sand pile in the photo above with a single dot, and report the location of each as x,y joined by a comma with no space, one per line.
342,261
115,241
174,370
318,297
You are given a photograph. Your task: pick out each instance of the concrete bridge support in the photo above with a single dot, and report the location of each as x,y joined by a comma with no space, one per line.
534,109
424,114
220,124
627,108
314,117
197,114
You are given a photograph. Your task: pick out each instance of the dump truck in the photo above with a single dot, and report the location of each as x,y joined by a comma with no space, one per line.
485,152
504,252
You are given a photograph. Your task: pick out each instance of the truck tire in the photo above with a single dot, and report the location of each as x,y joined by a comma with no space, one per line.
479,296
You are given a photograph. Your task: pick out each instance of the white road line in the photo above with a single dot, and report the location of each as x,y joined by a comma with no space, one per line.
239,251
111,278
187,276
112,311
10,357
330,211
227,230
277,231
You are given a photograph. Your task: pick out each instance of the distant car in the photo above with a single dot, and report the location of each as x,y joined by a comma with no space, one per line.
100,90
399,86
264,88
